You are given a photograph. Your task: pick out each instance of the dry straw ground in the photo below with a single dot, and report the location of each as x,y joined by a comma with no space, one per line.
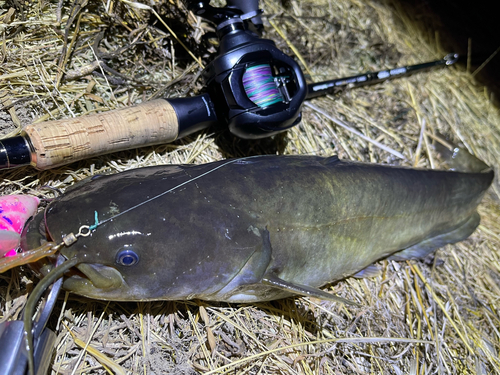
70,58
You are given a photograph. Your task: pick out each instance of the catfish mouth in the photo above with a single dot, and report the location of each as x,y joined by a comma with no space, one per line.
88,279
93,280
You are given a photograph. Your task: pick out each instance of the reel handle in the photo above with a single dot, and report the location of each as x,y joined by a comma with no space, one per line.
64,141
55,143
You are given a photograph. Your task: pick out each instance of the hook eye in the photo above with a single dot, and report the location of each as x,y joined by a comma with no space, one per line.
127,258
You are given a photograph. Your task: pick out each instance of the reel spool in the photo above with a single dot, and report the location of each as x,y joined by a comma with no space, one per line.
260,86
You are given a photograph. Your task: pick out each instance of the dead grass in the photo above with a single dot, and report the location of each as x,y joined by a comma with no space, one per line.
72,59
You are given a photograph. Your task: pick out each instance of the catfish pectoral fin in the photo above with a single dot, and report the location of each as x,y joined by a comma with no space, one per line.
427,246
371,271
304,290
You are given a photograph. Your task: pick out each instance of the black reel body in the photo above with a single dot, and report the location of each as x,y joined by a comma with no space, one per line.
256,89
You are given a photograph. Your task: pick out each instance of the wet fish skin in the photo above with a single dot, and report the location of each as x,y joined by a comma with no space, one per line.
254,229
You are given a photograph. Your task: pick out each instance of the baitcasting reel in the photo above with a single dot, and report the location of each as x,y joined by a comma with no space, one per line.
257,90
251,87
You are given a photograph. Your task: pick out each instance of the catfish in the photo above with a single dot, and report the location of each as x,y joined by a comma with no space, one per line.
254,229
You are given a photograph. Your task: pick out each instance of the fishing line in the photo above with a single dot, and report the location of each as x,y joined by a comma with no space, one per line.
260,86
98,223
85,230
35,295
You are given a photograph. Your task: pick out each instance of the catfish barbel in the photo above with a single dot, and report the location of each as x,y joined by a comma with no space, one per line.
253,229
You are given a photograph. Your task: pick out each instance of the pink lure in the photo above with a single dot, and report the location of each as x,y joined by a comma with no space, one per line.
15,210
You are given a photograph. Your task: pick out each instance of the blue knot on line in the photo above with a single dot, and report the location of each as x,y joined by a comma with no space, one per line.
96,224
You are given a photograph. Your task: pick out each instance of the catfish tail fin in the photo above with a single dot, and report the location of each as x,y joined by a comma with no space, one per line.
457,158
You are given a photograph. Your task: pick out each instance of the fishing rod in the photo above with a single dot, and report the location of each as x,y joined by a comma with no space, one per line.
252,87
330,87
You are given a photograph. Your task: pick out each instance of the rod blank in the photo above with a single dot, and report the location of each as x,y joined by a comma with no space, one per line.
329,87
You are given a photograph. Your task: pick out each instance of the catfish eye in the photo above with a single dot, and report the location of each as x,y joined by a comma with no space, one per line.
127,258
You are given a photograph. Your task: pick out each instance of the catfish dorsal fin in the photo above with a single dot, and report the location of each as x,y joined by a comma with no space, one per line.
303,290
331,160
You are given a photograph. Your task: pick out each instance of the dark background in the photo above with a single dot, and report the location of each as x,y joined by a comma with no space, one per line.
459,20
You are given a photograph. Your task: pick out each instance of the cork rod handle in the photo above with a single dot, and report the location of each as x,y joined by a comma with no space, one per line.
61,142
